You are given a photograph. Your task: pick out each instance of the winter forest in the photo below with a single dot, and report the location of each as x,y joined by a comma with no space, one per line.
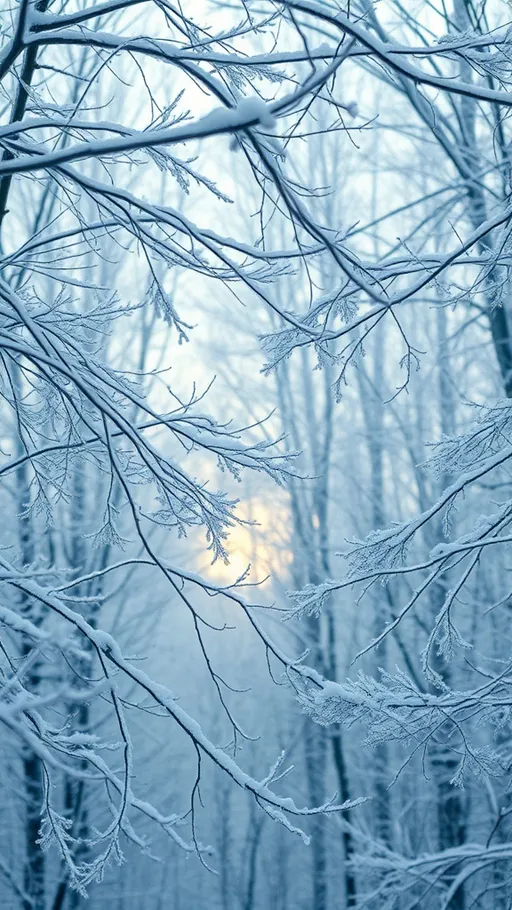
256,454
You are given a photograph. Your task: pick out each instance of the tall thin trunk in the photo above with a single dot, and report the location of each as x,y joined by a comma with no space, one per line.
372,405
256,829
451,804
34,866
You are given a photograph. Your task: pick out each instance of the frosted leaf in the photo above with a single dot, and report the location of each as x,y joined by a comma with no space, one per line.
164,306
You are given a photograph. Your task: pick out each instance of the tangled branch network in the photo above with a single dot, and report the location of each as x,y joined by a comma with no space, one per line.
79,187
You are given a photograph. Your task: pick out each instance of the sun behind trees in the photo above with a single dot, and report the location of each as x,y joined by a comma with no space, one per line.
163,169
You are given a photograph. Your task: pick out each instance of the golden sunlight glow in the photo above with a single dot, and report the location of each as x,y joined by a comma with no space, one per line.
263,542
